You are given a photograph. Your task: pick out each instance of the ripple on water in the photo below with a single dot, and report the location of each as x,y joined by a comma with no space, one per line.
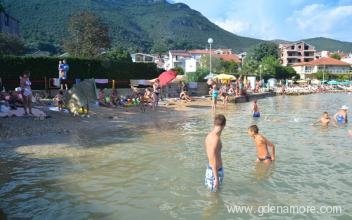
158,174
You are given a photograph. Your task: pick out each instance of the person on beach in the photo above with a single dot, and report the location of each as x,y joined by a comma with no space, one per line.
224,95
26,91
255,109
262,144
59,98
214,96
156,91
214,173
324,120
63,71
341,115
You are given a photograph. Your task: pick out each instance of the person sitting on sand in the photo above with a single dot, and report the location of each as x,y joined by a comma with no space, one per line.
255,109
262,144
114,98
101,98
148,96
185,96
59,98
341,115
324,120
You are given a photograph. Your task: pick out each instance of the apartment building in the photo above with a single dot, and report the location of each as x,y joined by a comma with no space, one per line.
294,53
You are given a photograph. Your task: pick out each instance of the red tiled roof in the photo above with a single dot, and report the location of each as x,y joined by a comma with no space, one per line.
324,61
229,57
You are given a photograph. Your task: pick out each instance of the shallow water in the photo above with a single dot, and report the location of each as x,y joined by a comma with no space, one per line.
158,174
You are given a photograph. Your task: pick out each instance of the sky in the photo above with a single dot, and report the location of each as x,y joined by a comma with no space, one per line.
279,19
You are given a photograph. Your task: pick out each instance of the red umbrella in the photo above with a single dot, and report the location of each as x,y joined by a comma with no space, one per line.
167,77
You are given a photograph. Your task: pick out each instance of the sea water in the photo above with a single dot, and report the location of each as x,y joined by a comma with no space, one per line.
159,173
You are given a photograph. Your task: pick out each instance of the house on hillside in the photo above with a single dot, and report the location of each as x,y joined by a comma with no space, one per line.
142,58
8,24
325,64
177,58
295,53
190,60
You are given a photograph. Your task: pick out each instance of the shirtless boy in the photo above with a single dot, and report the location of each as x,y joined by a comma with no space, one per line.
262,144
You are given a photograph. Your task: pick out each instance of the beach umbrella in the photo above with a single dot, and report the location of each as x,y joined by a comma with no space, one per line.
333,82
225,77
210,76
167,77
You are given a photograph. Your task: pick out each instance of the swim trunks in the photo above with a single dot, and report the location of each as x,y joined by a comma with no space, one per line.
265,158
209,178
256,114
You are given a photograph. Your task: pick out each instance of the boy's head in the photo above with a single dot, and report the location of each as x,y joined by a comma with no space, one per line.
220,120
253,130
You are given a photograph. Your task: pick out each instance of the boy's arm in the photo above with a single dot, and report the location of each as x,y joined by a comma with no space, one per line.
270,144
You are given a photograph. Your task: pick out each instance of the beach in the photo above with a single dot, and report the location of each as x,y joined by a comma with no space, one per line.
97,119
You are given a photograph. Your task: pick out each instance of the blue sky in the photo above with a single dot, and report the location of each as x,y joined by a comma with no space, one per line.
274,19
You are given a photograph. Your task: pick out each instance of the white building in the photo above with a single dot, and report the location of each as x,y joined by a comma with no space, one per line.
325,64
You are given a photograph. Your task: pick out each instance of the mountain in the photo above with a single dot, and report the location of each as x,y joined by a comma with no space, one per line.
322,43
136,25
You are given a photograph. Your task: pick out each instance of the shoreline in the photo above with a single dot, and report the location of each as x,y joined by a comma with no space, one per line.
111,119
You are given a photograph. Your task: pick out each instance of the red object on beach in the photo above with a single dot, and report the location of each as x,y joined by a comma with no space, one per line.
167,77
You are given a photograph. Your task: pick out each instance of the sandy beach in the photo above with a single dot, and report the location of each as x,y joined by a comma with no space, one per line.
99,119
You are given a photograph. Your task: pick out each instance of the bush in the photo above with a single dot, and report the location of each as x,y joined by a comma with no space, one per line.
41,67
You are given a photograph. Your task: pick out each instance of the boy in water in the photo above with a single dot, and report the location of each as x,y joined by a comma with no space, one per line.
214,173
262,144
255,109
324,120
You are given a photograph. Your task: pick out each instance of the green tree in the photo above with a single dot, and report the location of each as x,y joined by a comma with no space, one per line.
264,49
228,67
119,55
336,56
268,66
249,66
198,75
179,70
323,75
159,47
285,72
216,63
10,45
88,35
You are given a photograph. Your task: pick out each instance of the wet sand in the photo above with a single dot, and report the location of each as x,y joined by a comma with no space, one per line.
99,117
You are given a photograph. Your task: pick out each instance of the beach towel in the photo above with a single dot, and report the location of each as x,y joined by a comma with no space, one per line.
56,109
102,81
20,112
